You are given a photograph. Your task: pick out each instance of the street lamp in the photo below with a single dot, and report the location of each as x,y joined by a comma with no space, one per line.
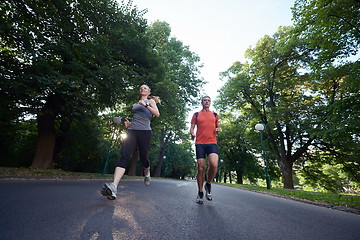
164,161
219,170
260,128
115,121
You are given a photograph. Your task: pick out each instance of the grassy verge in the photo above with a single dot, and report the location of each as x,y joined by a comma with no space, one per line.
48,173
344,200
17,173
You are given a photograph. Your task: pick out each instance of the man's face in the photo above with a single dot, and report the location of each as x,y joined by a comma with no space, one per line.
206,102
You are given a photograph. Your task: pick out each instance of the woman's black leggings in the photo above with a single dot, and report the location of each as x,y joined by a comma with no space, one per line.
140,138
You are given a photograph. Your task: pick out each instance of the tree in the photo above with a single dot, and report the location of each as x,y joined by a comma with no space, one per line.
67,59
181,85
270,89
234,148
179,161
331,28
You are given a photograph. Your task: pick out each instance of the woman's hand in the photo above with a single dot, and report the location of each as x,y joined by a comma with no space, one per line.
142,102
153,108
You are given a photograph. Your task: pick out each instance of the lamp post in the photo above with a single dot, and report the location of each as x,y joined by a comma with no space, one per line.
260,128
115,121
219,170
164,161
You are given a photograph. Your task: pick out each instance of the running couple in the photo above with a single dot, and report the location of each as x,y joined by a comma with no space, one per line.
139,135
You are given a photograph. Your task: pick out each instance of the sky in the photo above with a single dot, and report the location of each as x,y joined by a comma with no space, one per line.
218,31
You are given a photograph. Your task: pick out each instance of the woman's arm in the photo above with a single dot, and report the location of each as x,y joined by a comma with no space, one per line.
151,106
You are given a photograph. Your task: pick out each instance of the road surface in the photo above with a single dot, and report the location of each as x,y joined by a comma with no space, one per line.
65,210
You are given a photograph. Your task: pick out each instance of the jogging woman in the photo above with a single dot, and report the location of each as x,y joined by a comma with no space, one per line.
139,135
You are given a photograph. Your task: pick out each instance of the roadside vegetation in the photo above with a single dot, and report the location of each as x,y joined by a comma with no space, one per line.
347,200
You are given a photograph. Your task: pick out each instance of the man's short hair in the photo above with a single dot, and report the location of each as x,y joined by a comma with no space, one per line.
205,97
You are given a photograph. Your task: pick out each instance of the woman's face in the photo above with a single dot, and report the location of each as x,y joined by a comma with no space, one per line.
144,90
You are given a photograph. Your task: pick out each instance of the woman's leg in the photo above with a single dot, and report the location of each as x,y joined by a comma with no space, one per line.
127,149
144,139
118,174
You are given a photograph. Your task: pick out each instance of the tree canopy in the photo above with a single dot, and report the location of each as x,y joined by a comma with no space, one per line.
302,83
67,61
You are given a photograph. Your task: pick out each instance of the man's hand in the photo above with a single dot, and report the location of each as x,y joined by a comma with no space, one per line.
217,130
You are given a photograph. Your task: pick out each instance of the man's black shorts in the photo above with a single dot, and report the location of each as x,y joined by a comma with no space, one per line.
203,150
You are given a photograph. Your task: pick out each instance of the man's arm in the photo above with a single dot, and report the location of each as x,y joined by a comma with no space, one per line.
192,128
217,125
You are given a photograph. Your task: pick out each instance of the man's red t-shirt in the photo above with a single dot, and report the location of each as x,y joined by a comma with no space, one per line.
206,122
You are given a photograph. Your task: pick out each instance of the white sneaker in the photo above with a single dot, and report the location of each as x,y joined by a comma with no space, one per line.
199,199
109,191
208,192
147,179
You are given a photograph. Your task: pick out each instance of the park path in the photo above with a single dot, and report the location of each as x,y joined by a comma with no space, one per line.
69,209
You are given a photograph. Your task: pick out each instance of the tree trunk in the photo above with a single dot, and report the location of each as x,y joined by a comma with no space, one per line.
46,136
239,177
163,143
133,162
286,166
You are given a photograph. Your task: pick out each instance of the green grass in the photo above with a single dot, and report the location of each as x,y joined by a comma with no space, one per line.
344,200
51,173
54,174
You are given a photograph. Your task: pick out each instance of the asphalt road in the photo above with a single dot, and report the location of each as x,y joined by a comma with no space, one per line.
60,209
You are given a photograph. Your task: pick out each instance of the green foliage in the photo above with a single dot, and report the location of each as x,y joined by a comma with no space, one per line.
233,142
330,28
180,86
179,162
17,143
181,82
64,61
72,60
300,84
270,88
83,53
331,32
82,150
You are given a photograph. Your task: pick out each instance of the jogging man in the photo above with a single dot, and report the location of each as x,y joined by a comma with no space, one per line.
207,126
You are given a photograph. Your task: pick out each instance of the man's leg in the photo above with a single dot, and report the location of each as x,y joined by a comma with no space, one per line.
201,164
213,167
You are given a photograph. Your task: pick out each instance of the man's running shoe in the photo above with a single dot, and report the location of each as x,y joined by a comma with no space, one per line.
109,191
208,191
200,199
